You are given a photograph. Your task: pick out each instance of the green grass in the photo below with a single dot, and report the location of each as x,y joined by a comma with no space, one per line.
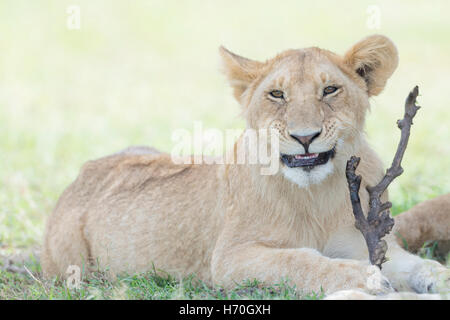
134,73
148,286
26,282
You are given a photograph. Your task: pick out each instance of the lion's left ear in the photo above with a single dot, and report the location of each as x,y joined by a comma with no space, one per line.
374,59
240,71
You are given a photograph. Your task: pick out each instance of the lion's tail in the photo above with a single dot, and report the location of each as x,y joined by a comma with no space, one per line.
429,220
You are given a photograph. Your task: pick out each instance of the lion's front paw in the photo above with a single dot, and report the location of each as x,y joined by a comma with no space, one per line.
430,277
376,282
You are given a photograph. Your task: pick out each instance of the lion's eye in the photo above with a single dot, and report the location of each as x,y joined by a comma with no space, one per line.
277,94
329,90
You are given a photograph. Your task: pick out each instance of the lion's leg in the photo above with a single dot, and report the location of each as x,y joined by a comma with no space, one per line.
49,266
63,250
306,268
407,271
64,243
429,220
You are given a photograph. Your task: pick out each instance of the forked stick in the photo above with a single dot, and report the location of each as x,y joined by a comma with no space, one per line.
379,222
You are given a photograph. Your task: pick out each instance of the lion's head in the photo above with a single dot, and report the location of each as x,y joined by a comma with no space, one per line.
316,99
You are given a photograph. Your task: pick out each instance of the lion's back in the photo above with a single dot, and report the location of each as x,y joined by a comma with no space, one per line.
131,206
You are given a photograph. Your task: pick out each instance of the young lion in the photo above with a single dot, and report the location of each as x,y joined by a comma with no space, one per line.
225,223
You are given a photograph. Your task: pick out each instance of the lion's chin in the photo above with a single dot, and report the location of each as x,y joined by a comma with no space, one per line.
304,178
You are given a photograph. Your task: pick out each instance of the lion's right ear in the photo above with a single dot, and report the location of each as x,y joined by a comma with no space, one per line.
240,71
374,59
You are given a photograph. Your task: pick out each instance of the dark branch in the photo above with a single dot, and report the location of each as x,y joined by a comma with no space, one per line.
378,222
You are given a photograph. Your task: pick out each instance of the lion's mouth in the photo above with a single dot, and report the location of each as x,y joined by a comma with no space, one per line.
307,160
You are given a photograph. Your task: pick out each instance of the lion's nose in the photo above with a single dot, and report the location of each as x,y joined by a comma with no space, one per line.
305,141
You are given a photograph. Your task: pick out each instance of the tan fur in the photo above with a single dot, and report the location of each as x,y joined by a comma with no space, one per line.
226,223
429,220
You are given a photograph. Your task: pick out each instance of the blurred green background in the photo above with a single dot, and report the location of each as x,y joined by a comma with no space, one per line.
137,70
